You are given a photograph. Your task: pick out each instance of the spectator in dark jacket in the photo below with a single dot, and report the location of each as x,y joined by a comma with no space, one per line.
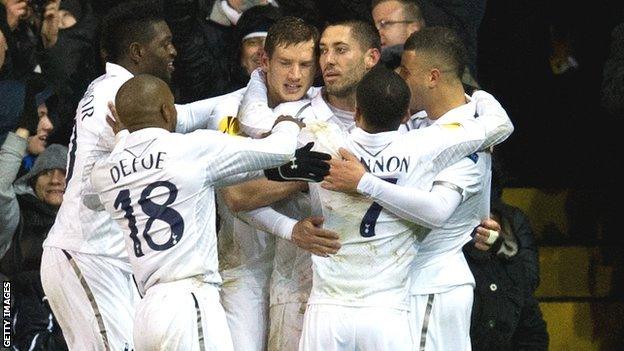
505,314
28,209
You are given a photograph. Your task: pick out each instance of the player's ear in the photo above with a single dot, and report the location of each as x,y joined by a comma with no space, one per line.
371,58
135,52
264,61
168,114
406,117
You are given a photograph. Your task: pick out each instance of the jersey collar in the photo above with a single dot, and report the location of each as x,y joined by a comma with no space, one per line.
462,111
115,70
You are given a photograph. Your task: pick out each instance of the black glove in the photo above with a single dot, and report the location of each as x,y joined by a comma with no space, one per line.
309,166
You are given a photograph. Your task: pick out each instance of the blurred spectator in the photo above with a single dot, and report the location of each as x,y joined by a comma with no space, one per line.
395,20
3,48
53,43
613,75
463,16
202,34
28,209
249,33
505,314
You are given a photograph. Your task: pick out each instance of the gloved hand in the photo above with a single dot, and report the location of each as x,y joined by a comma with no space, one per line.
309,166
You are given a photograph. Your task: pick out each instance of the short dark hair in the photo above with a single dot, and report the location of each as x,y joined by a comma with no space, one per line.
442,45
364,33
411,10
290,31
127,23
383,99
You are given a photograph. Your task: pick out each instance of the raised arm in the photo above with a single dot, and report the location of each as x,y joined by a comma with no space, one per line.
430,209
493,117
11,153
255,116
204,113
230,155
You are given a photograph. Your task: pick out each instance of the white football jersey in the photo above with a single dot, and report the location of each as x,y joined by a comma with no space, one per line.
78,227
292,267
440,264
243,249
378,247
93,139
159,187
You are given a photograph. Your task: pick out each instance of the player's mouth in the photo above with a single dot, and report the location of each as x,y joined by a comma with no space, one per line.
292,88
56,192
170,66
331,76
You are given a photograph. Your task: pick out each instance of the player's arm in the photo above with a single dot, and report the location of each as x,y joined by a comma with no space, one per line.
307,233
231,155
430,209
258,193
11,153
199,114
493,117
255,117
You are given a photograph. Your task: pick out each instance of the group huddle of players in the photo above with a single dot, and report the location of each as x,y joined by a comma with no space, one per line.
341,216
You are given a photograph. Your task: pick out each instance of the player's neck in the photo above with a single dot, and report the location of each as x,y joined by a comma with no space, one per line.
447,100
129,65
345,103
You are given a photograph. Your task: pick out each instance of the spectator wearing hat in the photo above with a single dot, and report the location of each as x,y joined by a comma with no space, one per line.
250,33
28,209
203,34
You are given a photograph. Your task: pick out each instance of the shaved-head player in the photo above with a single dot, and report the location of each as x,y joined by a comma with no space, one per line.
158,186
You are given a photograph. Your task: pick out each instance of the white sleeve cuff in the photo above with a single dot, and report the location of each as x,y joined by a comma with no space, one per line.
368,185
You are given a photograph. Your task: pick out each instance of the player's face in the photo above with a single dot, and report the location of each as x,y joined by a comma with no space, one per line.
342,60
390,22
251,53
414,70
160,53
37,143
50,186
290,71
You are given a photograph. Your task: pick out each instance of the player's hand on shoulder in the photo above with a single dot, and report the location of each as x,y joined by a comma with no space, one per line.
113,119
285,118
345,173
307,165
310,236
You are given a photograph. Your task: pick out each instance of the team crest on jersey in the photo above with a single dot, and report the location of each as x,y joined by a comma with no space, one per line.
229,125
454,125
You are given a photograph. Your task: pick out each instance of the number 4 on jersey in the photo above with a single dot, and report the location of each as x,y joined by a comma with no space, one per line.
154,211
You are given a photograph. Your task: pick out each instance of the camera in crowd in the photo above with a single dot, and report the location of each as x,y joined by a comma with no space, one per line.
38,7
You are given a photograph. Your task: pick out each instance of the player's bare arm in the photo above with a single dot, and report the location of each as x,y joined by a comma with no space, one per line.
310,236
258,193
